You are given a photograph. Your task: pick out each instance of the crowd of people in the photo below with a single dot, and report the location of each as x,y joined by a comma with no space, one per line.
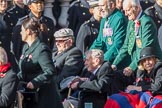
108,56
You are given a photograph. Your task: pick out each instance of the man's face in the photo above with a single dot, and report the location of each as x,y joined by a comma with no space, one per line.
90,63
3,5
62,44
105,7
37,7
130,11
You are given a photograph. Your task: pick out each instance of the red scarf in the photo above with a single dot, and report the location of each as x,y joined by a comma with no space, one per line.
3,69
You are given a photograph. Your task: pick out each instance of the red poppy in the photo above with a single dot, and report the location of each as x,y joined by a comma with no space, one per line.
137,23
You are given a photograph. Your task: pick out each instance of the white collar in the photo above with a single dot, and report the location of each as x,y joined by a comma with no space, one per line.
137,18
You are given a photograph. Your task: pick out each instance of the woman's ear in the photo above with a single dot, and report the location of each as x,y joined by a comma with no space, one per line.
28,32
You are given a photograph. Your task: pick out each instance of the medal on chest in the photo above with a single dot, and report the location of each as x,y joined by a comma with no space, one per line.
107,32
138,42
109,41
29,57
138,39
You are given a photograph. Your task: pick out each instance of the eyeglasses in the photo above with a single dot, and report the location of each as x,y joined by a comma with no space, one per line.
61,41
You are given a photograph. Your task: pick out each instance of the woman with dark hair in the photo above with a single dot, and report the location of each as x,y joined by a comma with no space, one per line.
37,70
148,86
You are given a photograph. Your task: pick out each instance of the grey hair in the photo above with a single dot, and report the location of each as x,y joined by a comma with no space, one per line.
97,53
134,3
3,56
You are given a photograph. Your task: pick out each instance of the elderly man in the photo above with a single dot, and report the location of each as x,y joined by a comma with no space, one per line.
112,30
68,59
141,32
97,83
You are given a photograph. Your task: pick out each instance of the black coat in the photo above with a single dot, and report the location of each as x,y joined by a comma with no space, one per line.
8,87
146,3
13,14
68,63
88,32
101,81
4,35
45,37
37,67
78,13
96,89
152,81
155,12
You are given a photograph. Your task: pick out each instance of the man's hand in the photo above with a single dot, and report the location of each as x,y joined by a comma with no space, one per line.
127,71
74,85
114,67
30,85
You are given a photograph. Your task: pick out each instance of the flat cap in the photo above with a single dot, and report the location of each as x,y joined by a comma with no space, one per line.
29,2
63,33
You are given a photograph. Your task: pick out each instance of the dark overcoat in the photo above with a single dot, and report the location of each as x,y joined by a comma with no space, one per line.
36,66
151,81
8,87
68,63
46,37
88,32
78,13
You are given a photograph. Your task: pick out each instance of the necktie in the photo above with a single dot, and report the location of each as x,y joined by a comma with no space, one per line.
131,39
91,77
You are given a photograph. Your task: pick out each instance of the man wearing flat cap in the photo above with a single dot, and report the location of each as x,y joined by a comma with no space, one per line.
47,27
67,59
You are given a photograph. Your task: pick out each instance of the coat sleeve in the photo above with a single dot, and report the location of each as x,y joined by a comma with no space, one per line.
8,90
46,64
97,44
72,66
84,32
123,52
103,81
156,85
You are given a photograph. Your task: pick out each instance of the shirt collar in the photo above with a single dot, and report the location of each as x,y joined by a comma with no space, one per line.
137,18
95,71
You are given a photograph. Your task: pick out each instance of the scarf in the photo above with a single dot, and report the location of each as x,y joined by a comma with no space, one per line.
3,69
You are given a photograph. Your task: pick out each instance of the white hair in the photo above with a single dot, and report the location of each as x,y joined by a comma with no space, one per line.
96,53
3,56
134,3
